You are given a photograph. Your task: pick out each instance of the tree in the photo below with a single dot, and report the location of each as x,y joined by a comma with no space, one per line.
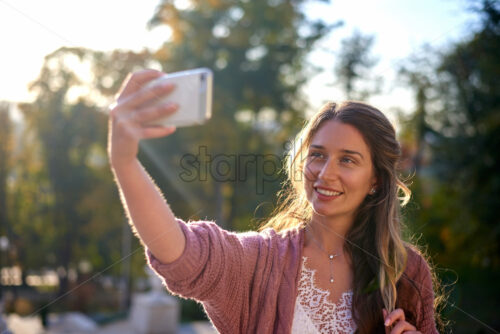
458,188
354,65
419,74
6,148
466,155
79,215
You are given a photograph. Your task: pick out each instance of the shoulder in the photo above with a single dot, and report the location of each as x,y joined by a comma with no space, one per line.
268,237
268,233
416,278
415,290
284,235
416,264
284,240
416,283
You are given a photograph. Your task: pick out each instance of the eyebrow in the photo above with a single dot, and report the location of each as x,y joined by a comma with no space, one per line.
321,147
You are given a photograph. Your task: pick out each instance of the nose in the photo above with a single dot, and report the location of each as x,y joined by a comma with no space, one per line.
329,170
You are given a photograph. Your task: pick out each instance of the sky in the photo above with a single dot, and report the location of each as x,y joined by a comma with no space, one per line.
31,29
400,28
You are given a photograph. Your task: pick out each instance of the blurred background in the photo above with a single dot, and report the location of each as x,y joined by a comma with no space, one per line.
432,66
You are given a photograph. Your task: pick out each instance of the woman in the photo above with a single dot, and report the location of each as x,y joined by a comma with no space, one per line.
332,260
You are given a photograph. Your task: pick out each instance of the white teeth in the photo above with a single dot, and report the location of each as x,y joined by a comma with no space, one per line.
328,192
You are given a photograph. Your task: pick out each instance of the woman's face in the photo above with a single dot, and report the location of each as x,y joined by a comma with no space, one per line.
338,171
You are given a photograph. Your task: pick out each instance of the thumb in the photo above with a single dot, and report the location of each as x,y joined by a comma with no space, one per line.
384,312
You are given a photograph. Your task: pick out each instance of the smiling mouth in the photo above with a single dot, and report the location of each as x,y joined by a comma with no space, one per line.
326,192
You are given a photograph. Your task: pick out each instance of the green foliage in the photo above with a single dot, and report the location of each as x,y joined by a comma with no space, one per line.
354,65
452,139
256,49
463,133
6,158
64,199
6,148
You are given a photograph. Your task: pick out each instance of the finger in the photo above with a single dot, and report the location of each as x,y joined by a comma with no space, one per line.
387,328
155,112
136,80
396,315
145,95
156,131
402,327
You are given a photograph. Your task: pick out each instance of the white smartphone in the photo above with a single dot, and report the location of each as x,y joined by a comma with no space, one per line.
193,94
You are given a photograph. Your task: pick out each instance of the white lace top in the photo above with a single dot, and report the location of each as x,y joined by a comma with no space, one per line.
315,314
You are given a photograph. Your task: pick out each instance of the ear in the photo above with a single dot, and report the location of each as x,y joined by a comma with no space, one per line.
373,187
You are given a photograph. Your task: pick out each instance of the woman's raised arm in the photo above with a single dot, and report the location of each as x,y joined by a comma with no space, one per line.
148,211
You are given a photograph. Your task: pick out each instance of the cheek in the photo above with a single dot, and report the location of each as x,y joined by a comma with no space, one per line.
308,173
307,180
362,183
356,181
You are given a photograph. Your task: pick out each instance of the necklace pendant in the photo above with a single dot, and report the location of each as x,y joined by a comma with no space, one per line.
331,256
331,280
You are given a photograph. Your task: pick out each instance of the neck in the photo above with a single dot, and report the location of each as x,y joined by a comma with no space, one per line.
330,235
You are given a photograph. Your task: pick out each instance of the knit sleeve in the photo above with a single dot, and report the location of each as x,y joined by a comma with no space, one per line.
213,258
426,322
216,269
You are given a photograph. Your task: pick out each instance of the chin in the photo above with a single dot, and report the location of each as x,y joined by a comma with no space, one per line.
330,212
324,212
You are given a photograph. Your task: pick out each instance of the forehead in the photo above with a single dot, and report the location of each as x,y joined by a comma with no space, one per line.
335,135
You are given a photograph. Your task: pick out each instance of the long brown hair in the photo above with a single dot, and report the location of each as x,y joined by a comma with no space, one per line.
377,226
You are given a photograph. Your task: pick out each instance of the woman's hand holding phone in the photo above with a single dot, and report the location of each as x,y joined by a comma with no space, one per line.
131,116
129,122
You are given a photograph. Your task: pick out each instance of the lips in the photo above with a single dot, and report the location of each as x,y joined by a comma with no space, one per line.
327,191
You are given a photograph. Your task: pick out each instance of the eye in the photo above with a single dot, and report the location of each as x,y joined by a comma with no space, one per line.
316,155
347,160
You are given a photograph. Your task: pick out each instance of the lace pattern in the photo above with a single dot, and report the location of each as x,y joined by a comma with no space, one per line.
315,314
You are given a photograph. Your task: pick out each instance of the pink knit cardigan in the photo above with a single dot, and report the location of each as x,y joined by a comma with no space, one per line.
247,282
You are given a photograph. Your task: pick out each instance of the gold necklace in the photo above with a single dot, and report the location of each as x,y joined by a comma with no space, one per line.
331,257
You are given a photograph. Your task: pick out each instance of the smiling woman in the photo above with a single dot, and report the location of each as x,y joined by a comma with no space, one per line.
332,260
346,199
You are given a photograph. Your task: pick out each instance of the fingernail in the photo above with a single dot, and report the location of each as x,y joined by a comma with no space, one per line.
387,322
